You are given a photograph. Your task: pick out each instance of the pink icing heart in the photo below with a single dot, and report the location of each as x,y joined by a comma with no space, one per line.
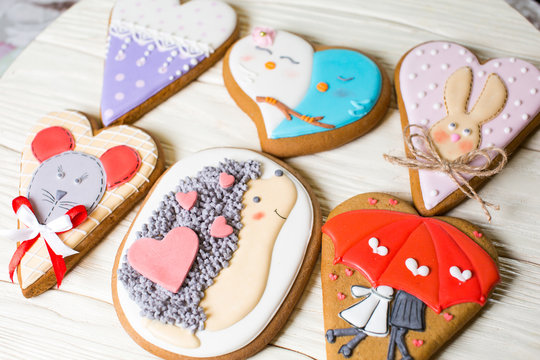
423,75
372,201
168,261
349,272
417,342
392,202
220,229
226,180
186,200
448,316
477,234
332,277
341,296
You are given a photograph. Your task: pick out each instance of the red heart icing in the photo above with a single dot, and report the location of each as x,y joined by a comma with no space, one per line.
52,141
186,200
349,272
168,261
341,296
418,342
372,201
392,202
226,180
448,316
220,229
121,163
477,234
332,277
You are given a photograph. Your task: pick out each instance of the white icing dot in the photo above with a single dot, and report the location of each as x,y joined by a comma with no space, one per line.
468,59
165,64
178,73
513,59
419,52
437,106
140,62
497,64
434,52
414,106
421,94
432,86
123,47
147,53
120,56
151,47
185,67
174,53
488,131
169,59
525,116
412,76
481,73
445,66
193,61
534,91
524,70
162,70
171,78
446,46
489,144
505,116
425,67
119,96
507,130
462,52
511,79
119,77
518,102
139,83
108,113
127,40
424,121
434,192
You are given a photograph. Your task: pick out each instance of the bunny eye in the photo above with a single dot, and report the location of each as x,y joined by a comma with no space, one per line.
256,199
467,132
452,125
60,174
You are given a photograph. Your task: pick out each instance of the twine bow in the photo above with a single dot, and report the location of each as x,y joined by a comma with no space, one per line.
427,157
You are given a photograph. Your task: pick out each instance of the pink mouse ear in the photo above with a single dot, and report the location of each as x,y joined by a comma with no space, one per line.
52,141
121,163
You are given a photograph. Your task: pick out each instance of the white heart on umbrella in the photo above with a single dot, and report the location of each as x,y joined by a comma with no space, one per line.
460,275
412,265
380,250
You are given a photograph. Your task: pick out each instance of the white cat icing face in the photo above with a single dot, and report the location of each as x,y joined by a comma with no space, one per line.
274,64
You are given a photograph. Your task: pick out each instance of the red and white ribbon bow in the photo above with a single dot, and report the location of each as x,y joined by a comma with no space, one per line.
28,236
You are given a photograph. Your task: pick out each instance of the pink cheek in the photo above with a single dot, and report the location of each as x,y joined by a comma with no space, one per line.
258,215
246,58
465,146
440,136
292,74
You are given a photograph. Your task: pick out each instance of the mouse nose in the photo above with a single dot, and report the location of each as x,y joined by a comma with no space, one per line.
60,194
455,137
270,65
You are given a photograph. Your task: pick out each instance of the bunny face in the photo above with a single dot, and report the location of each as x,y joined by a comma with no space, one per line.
460,131
65,180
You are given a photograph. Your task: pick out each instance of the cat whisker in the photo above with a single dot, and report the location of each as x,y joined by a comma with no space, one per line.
48,192
48,196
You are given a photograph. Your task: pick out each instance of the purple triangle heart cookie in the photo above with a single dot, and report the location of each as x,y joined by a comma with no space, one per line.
155,48
465,106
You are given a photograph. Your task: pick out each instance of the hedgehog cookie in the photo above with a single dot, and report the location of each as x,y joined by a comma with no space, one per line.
75,183
397,285
217,257
303,99
471,111
155,48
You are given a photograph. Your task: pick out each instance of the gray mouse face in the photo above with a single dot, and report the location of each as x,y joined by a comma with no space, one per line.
64,181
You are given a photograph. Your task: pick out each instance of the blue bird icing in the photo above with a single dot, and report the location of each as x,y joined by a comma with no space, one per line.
354,86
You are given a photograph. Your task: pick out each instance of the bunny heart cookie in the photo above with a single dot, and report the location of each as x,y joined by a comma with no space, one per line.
74,185
471,115
304,100
155,48
217,257
397,285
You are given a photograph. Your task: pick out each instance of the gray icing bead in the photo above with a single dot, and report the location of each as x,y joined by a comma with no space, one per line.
183,307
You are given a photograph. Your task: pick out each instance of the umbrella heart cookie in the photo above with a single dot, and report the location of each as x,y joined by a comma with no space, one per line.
304,100
74,185
465,117
217,257
155,48
397,285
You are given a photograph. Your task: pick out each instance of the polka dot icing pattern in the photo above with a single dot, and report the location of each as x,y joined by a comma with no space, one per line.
442,60
153,43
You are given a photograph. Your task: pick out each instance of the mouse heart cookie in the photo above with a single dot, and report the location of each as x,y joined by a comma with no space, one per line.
304,100
470,110
245,251
397,285
74,185
155,48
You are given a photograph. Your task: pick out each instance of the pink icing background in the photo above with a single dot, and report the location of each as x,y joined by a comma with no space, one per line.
422,79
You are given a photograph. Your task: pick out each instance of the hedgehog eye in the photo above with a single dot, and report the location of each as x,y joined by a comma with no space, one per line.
467,132
60,174
256,199
81,178
452,125
278,172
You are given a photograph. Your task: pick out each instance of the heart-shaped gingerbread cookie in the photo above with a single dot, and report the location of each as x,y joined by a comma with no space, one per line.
464,105
155,48
304,100
65,164
408,299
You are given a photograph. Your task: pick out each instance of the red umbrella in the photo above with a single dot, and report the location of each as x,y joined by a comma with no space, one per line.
425,257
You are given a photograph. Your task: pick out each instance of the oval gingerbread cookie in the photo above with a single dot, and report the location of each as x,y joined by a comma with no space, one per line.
303,99
217,257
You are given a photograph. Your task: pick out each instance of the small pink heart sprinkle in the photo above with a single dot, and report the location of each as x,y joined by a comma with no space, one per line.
349,272
186,200
372,201
392,202
226,180
477,234
332,277
448,316
418,342
219,228
341,296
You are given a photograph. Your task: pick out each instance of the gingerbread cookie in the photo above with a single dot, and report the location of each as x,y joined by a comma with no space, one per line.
75,184
303,99
217,257
396,284
467,117
155,48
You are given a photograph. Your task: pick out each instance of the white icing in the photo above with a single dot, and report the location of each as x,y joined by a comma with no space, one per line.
462,276
287,82
416,270
377,249
287,257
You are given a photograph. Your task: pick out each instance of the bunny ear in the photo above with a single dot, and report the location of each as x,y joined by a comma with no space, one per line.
491,100
52,141
457,91
121,163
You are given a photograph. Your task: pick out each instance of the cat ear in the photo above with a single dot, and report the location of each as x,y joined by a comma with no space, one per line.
52,141
121,163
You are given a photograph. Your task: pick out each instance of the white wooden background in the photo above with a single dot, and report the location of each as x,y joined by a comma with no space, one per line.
62,70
